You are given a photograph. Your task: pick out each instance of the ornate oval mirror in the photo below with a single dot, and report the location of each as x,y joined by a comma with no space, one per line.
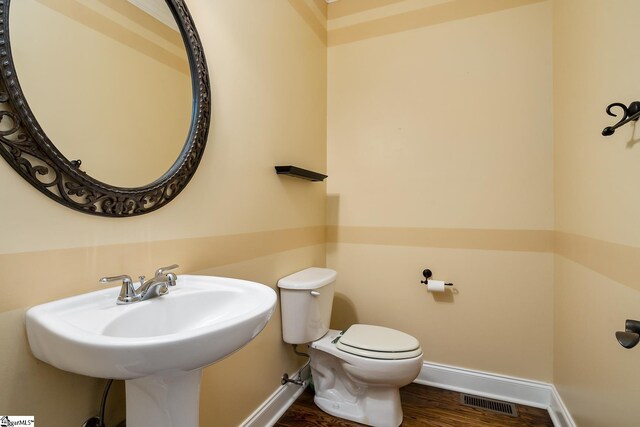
121,92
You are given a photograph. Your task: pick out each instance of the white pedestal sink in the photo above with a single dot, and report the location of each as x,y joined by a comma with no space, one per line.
158,346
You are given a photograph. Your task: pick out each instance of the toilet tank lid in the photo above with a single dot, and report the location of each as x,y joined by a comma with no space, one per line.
309,278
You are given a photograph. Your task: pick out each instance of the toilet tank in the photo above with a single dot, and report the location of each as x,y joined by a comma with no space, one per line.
306,298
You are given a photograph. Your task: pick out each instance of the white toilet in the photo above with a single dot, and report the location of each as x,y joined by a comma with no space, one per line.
356,373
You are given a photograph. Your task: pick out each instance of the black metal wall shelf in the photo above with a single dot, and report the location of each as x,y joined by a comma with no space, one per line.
300,173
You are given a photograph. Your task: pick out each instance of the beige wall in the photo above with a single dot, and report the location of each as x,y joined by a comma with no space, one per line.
440,155
597,211
486,199
236,217
447,146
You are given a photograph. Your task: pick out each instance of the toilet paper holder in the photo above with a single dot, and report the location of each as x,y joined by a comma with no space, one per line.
427,274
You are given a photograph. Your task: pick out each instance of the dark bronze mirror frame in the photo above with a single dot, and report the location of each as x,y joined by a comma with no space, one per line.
26,147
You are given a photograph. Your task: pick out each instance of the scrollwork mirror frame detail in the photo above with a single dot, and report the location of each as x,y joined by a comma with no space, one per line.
26,147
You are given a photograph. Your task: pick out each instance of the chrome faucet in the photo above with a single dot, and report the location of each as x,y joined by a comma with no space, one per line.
154,287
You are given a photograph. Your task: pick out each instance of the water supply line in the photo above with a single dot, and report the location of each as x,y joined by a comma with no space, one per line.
99,420
298,380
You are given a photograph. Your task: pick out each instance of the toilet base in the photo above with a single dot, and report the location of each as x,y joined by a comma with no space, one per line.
378,407
356,388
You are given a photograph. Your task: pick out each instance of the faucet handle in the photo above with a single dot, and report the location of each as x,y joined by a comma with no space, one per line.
162,270
172,279
124,277
127,292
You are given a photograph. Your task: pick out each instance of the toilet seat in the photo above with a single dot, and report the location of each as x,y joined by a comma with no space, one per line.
377,342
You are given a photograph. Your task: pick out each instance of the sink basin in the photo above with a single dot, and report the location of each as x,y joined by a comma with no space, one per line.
161,342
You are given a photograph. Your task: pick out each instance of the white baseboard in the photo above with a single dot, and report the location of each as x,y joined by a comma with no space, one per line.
559,413
277,404
493,386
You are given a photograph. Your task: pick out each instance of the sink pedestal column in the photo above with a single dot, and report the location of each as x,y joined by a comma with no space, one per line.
168,399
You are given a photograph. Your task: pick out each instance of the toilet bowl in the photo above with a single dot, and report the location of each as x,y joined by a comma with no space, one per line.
357,372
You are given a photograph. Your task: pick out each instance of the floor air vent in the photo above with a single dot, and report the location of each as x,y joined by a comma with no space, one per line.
489,404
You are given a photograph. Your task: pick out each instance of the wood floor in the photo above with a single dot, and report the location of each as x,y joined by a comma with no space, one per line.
422,406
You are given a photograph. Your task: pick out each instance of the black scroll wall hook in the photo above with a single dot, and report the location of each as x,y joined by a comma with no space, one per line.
632,112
